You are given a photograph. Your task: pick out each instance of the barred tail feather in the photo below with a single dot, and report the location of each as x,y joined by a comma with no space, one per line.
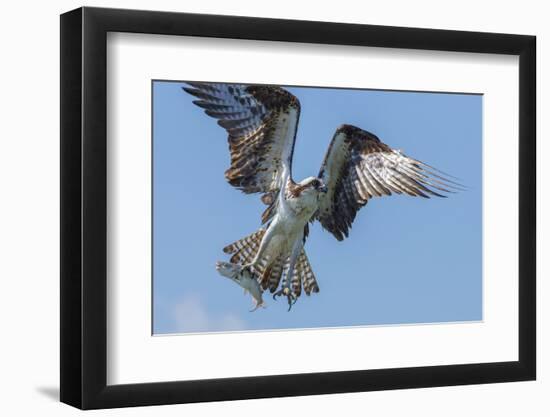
275,279
296,281
306,274
302,276
271,272
248,242
272,275
244,250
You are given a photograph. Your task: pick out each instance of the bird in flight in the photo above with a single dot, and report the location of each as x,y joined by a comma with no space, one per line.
261,122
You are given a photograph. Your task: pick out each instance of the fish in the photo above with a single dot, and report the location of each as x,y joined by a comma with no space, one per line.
244,279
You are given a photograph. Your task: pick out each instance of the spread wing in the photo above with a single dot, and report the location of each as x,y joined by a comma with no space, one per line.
261,123
358,166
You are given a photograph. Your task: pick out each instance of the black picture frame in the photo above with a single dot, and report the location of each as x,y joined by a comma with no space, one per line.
84,207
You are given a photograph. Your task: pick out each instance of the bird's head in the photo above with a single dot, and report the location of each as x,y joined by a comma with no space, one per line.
313,185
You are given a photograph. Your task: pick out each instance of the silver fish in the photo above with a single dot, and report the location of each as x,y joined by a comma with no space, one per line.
244,279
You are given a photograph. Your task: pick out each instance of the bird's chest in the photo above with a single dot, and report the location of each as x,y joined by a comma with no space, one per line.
288,225
302,208
291,219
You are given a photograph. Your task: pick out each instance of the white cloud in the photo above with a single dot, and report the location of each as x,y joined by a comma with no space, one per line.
190,315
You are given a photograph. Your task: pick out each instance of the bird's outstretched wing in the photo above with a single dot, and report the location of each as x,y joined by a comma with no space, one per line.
261,122
358,166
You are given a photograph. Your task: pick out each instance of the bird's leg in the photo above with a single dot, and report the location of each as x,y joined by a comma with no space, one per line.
287,292
261,251
286,289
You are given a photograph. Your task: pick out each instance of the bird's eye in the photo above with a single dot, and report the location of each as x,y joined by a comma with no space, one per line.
315,183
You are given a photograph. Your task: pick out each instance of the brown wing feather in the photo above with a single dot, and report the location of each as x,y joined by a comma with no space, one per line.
261,123
358,166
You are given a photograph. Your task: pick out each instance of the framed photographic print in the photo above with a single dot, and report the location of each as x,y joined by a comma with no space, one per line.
370,189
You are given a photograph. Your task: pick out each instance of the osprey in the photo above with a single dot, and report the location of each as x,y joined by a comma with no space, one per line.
262,122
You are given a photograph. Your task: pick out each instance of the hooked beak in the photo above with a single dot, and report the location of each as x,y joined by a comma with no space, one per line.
323,189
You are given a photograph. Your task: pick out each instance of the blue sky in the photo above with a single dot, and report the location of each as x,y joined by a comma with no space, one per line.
407,260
